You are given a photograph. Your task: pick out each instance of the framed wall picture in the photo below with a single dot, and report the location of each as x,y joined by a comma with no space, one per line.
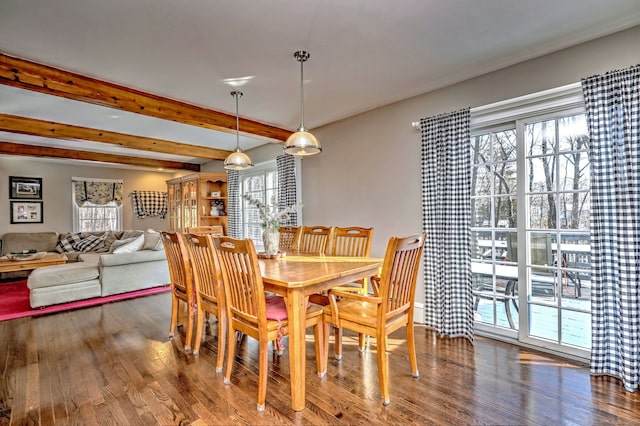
27,188
26,212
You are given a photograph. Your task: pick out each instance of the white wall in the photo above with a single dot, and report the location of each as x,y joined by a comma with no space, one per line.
369,171
56,192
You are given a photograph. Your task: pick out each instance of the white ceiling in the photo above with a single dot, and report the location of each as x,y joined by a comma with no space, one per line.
364,54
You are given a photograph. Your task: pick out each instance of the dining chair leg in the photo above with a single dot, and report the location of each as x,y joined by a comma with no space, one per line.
337,332
174,316
231,352
319,336
191,313
326,331
222,341
263,366
198,335
383,370
362,341
411,343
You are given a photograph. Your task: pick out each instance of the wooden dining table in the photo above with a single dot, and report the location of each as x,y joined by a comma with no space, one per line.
297,276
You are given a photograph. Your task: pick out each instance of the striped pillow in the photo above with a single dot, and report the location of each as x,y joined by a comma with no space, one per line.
87,244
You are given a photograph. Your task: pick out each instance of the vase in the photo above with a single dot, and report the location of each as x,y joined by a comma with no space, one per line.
271,240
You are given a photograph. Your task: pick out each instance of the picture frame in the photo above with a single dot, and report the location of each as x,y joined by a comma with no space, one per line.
25,188
26,212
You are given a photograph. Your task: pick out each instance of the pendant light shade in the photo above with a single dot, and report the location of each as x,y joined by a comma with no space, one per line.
302,143
237,160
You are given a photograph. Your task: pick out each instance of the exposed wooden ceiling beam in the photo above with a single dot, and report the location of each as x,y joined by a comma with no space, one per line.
45,79
50,129
10,148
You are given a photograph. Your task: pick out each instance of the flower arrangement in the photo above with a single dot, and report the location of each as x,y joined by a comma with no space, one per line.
270,215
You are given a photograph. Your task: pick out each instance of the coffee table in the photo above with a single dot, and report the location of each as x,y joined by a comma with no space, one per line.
7,265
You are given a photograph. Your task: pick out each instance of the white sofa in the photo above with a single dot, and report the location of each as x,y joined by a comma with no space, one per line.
135,260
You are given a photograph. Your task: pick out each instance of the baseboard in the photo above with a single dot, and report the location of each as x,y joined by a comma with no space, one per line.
418,313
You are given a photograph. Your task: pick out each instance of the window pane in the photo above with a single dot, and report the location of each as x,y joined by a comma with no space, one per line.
506,212
574,171
576,329
481,212
574,210
573,133
540,138
505,178
480,181
481,148
542,172
93,218
542,211
504,146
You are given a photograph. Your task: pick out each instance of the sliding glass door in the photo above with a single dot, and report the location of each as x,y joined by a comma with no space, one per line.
530,224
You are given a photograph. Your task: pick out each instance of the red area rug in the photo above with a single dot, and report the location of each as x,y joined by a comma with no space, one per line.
14,300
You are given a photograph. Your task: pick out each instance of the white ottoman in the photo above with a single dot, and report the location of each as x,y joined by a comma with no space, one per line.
51,285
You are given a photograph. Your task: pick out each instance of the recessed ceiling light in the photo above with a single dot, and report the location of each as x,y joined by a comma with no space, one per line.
238,81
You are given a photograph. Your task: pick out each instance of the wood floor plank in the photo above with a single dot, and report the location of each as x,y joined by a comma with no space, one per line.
114,364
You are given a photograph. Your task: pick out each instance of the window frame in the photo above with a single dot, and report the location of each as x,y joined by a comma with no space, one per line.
75,210
262,169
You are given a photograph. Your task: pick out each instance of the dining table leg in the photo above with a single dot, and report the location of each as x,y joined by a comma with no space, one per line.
297,313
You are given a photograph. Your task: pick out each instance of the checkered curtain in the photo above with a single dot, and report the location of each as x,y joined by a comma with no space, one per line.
446,209
149,204
613,104
234,212
286,168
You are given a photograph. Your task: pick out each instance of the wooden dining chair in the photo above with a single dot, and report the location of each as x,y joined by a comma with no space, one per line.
209,291
385,313
182,286
289,237
314,239
352,241
249,311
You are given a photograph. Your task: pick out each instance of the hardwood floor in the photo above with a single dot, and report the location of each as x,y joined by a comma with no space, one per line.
114,364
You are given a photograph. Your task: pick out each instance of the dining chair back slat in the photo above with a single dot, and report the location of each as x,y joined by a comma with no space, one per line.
208,289
315,239
182,285
351,241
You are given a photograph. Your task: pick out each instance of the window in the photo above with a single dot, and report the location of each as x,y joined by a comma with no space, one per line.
101,214
261,184
530,221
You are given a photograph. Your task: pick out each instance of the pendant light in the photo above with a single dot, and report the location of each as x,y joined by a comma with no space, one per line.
237,160
302,143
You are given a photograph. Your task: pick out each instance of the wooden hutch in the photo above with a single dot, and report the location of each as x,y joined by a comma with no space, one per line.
196,200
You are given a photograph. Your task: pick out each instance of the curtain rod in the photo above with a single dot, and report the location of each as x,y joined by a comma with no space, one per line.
555,93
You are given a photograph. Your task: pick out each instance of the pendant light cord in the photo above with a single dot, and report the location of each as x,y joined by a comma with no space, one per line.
302,129
236,95
301,56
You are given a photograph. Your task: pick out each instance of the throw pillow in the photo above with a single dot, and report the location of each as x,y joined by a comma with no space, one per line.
131,234
119,243
87,244
152,240
65,245
108,237
131,247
